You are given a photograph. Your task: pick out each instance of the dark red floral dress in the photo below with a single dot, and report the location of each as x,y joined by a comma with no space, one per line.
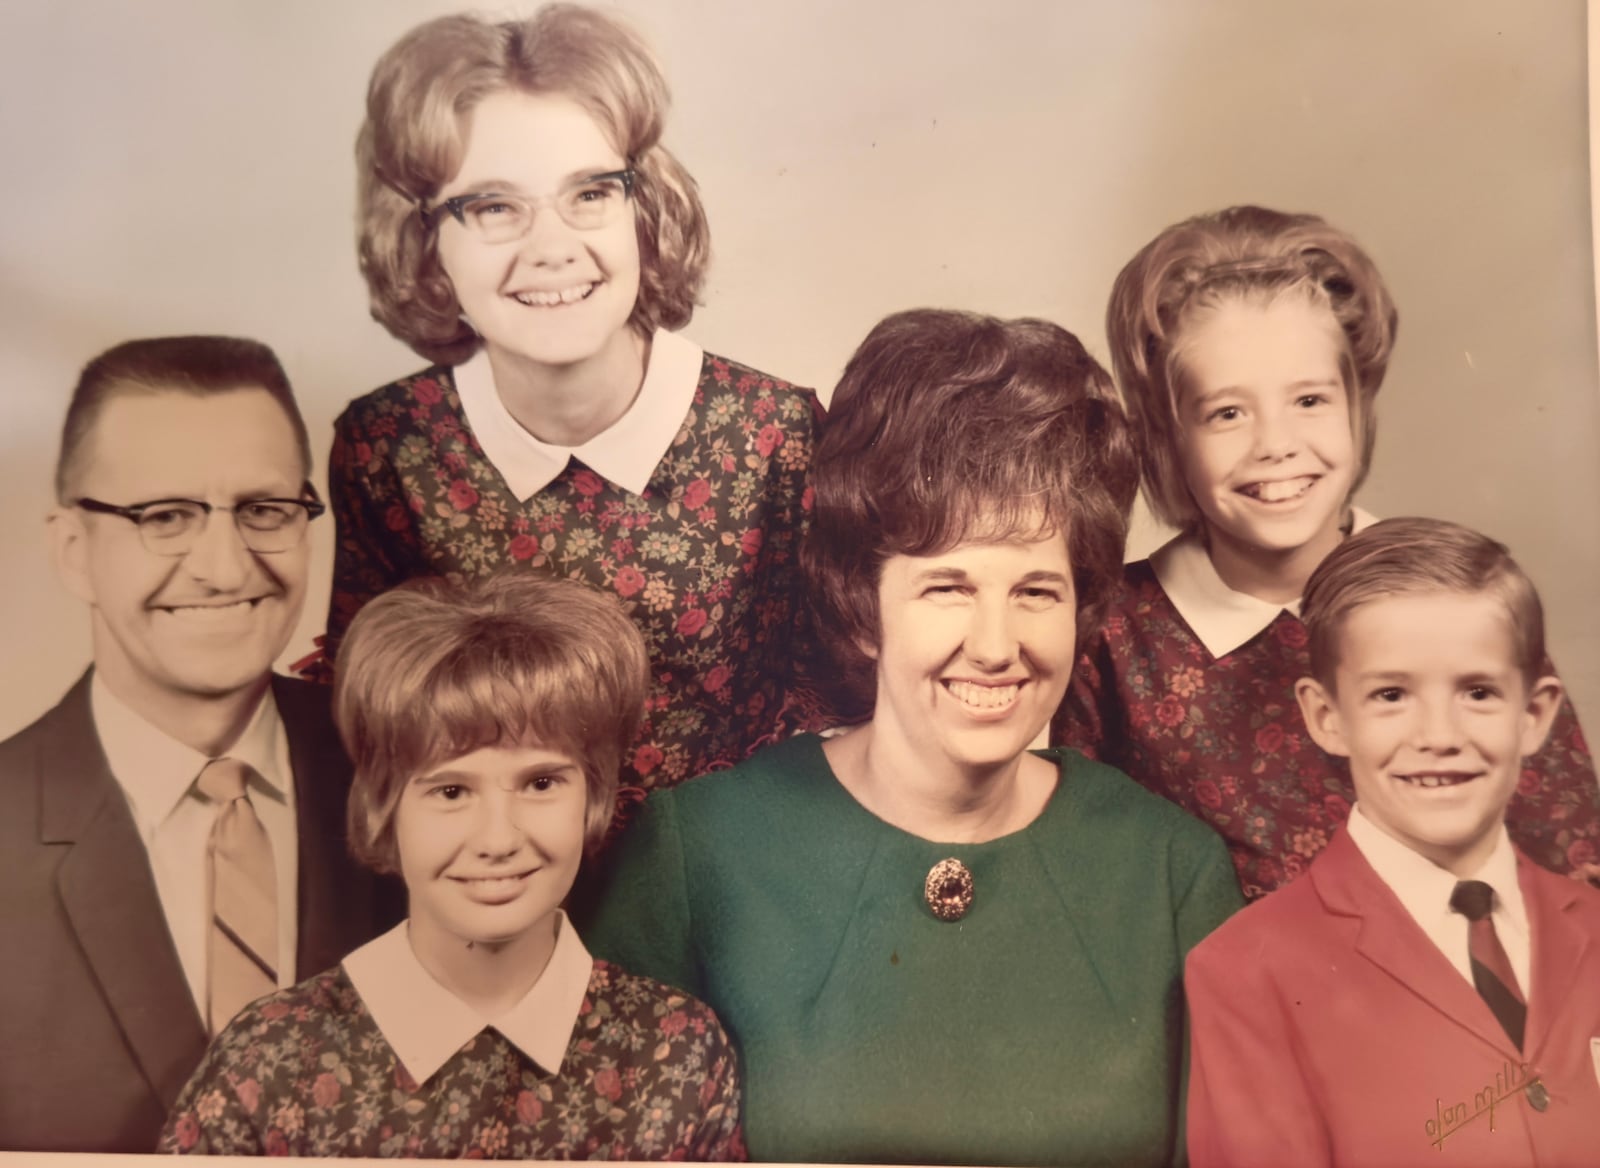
649,1075
1223,739
705,560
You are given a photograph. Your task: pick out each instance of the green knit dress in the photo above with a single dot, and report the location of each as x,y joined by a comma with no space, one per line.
1044,1027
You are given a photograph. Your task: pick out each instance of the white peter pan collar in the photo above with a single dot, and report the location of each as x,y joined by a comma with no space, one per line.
1222,618
425,1024
627,452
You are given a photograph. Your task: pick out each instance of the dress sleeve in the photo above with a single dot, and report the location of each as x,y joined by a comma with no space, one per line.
796,651
1555,815
210,1117
635,911
1248,1100
1082,719
719,1134
1211,895
371,523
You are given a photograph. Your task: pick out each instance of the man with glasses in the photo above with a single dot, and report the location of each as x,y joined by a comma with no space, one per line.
172,833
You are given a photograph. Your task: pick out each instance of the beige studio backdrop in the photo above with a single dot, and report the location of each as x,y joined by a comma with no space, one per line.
185,166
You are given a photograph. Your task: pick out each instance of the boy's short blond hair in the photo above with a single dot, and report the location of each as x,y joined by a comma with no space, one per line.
430,671
419,104
1258,256
1412,557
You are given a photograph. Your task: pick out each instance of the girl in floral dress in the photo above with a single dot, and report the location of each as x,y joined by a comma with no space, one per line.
1250,346
486,724
523,229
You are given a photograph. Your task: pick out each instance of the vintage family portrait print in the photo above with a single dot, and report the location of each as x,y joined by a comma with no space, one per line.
188,167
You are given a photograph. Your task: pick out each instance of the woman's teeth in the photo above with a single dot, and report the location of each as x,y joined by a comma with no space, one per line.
983,697
550,299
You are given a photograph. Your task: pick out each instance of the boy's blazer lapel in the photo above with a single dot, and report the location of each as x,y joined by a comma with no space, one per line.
1387,936
110,899
1560,949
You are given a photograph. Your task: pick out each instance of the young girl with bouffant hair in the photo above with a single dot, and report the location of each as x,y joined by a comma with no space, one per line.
437,73
486,723
1250,346
524,230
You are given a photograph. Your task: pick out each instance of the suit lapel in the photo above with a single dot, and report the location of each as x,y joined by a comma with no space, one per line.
109,897
335,899
1560,948
1391,939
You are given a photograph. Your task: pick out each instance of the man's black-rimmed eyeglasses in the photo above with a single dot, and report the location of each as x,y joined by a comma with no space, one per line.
171,527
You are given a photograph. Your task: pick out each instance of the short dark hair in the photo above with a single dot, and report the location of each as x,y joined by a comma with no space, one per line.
1412,557
198,366
1256,255
949,426
431,670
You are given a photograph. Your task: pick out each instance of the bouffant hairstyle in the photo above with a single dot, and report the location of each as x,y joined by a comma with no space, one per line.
430,671
1418,557
948,427
419,107
1257,256
198,366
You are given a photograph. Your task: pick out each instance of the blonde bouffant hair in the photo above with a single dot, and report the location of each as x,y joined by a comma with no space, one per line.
419,105
431,671
1248,254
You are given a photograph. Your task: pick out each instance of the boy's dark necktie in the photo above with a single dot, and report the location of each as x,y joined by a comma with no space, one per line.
1491,968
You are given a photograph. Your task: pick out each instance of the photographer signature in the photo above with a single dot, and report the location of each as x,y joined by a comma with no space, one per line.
1512,1079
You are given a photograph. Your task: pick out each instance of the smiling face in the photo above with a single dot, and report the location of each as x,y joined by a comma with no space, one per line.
489,846
1435,716
975,649
1265,424
208,624
559,296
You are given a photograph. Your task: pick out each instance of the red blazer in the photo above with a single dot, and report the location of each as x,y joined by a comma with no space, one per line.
1327,1029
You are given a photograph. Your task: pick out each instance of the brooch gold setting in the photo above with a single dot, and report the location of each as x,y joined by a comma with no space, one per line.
948,890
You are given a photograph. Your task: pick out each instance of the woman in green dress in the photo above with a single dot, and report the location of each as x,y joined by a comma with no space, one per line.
931,944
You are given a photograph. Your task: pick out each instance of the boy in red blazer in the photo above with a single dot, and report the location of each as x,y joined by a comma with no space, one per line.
1424,994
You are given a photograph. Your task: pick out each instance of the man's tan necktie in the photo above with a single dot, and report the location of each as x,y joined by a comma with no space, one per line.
242,951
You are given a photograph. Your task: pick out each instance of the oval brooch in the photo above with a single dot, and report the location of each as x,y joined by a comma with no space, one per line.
948,890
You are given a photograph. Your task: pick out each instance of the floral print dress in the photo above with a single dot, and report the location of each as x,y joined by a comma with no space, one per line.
649,1075
705,558
1221,736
